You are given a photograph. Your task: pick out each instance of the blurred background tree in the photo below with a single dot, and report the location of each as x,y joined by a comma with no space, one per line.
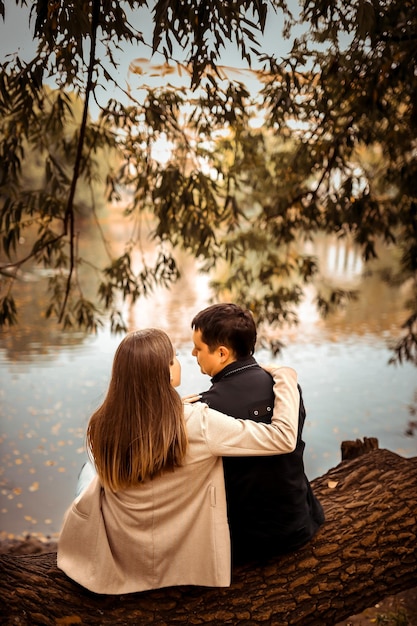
257,163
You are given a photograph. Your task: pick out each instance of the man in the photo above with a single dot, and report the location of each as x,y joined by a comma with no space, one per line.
271,507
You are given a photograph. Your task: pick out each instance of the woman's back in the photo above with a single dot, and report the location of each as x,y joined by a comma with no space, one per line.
169,530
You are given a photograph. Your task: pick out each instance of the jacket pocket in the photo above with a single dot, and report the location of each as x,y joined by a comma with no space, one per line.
78,513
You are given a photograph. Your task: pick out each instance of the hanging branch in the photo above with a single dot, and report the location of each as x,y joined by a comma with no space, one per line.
69,220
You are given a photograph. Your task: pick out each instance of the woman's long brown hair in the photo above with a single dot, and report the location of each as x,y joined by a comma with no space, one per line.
139,430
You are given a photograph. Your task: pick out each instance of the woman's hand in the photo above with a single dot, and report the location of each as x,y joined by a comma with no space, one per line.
190,398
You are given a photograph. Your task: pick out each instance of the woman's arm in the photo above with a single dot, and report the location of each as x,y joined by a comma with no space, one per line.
228,436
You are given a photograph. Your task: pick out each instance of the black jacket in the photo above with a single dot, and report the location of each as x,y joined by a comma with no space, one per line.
271,507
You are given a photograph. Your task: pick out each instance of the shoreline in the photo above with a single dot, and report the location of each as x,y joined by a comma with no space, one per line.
27,544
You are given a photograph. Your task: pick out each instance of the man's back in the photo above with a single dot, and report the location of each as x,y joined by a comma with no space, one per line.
271,507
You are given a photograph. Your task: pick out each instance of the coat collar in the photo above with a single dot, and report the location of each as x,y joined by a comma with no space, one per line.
234,368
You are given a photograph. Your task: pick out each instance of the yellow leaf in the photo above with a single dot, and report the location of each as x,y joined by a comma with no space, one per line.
55,429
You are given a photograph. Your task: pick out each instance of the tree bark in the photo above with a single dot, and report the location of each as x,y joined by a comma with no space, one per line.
353,449
366,550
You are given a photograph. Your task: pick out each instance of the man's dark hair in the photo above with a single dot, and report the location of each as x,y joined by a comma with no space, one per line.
228,325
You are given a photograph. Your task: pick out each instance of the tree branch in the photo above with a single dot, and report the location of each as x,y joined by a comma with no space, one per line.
69,212
366,550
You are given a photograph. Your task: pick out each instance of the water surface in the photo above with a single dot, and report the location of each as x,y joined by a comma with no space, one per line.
52,381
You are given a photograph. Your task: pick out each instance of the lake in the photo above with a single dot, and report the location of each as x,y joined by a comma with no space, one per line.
51,382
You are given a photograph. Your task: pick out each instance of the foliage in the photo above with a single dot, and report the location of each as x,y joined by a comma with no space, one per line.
242,199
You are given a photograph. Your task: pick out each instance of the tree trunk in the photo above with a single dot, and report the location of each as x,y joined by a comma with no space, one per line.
366,550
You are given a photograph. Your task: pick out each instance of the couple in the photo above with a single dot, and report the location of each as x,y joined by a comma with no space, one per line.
156,514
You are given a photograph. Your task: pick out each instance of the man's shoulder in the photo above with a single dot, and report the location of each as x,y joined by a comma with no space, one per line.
241,391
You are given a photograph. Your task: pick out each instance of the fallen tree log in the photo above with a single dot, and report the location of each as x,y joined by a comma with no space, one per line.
366,550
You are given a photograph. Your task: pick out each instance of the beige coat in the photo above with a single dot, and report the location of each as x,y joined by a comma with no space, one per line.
173,530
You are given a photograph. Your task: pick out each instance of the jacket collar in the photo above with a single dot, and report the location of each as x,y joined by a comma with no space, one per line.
234,368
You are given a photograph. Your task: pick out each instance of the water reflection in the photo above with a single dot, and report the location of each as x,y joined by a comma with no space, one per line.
339,259
52,381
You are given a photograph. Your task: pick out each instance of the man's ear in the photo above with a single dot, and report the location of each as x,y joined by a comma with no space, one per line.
224,353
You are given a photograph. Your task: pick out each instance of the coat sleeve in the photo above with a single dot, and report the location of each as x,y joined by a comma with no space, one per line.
228,436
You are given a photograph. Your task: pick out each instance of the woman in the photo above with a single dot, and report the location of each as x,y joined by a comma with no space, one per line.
155,514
